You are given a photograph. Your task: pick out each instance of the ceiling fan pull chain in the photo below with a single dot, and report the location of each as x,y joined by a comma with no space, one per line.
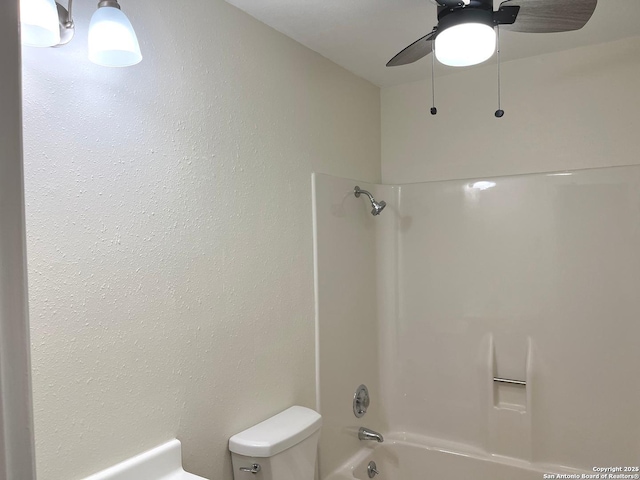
499,112
434,110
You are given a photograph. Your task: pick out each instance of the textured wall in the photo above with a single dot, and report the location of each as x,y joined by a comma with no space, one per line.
572,109
170,232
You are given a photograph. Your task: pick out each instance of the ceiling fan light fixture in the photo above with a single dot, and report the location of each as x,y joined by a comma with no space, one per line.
465,44
466,37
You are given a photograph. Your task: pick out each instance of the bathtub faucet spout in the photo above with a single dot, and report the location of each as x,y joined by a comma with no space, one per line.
367,434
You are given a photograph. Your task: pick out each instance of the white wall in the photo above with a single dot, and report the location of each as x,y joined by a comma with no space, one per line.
566,110
16,424
170,233
347,316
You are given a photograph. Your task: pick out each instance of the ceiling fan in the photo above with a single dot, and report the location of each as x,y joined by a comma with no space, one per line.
466,30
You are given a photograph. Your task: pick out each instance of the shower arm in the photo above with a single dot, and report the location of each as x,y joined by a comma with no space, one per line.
357,191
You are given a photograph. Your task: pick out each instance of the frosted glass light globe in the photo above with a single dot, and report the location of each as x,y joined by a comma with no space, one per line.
112,40
465,44
39,24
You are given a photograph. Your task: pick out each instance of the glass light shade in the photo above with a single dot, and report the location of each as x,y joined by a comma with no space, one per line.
465,44
39,24
112,40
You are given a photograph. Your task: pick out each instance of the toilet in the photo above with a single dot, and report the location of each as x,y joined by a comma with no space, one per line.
283,447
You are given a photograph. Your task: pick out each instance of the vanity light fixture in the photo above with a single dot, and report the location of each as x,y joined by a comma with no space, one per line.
112,40
39,23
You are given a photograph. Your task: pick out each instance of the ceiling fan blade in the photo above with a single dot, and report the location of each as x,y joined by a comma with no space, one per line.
414,52
450,3
548,16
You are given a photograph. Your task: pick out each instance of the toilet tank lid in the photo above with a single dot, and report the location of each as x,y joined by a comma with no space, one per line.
277,433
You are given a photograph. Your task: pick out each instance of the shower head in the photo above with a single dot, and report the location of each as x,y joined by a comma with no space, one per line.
377,206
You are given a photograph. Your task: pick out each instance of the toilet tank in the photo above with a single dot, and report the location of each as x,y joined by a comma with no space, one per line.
284,446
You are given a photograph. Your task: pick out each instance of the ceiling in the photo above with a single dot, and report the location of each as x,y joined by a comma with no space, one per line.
362,35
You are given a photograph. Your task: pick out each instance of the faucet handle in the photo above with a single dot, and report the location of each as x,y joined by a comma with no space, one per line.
361,398
371,469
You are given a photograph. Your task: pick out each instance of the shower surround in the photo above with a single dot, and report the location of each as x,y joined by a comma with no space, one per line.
533,278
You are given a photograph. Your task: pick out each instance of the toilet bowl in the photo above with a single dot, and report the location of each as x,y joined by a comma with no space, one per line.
283,447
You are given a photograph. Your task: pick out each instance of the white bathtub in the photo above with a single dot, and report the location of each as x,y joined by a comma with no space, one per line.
416,459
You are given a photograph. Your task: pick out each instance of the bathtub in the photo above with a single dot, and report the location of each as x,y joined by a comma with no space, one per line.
406,458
